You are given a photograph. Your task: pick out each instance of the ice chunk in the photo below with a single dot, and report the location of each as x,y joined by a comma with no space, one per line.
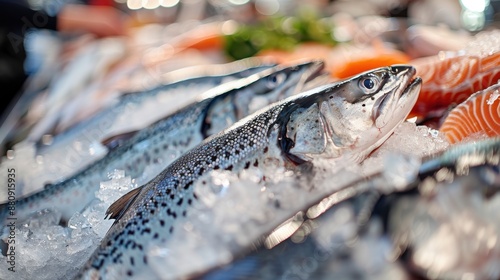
453,231
95,215
113,189
43,219
484,43
109,192
407,140
46,250
411,139
400,170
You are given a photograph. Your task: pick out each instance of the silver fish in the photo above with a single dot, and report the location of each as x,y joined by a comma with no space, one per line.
68,151
159,144
450,214
345,120
415,215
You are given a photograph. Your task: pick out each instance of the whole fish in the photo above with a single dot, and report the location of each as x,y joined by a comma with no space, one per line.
159,144
130,108
101,124
345,120
79,146
90,62
449,189
450,214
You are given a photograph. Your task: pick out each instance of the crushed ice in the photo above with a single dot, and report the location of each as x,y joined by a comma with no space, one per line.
453,232
211,235
47,250
33,170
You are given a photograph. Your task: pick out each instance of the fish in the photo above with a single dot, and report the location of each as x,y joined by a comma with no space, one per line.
100,124
343,61
67,153
339,243
478,115
344,121
162,142
449,78
90,62
327,247
454,202
182,68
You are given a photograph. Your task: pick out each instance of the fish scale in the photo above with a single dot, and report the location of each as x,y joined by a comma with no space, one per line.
136,154
249,142
73,149
148,215
163,141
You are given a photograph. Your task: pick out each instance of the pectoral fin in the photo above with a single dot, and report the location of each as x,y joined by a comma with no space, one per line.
116,141
119,207
306,129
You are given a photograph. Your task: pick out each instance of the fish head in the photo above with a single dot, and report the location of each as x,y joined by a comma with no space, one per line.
237,99
286,79
274,84
351,117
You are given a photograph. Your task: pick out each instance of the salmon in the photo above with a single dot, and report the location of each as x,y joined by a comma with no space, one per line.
450,78
478,115
341,121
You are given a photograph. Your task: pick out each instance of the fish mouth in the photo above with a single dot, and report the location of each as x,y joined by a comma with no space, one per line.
412,89
402,99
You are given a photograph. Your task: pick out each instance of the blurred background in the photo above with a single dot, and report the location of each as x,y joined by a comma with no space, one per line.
41,39
63,62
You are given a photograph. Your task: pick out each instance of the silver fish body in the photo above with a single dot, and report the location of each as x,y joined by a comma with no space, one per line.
159,144
458,186
450,214
70,151
341,120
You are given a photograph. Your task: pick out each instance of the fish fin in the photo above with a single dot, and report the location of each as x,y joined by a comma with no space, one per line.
3,214
118,208
117,140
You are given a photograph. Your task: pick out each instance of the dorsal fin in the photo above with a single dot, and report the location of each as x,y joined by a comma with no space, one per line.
119,207
117,140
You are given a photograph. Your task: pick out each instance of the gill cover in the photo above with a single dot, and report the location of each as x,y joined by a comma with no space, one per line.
355,115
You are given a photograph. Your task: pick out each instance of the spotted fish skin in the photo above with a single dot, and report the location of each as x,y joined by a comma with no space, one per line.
101,124
288,133
167,139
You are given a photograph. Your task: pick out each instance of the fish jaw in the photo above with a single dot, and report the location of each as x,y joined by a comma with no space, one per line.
383,106
389,111
350,118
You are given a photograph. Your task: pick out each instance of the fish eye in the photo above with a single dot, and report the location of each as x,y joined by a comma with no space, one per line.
275,80
369,84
